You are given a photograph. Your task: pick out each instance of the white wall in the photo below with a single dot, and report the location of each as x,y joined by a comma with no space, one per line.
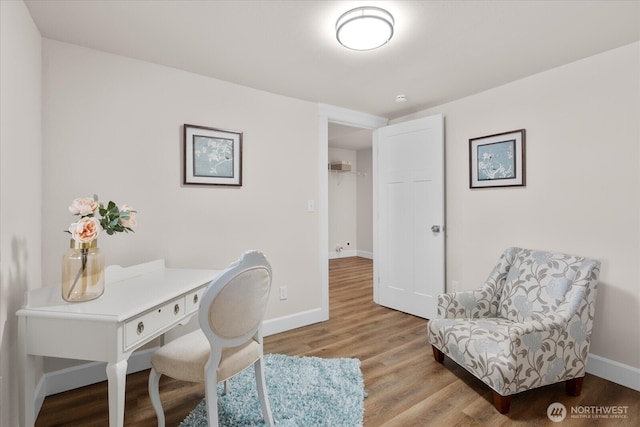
342,205
583,185
20,185
364,207
113,126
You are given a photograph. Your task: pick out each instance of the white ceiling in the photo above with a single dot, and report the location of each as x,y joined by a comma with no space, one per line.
348,137
441,50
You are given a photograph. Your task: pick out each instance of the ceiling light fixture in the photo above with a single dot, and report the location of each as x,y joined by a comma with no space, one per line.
364,28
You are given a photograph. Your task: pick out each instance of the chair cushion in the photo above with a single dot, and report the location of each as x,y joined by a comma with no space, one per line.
536,284
471,336
185,358
505,357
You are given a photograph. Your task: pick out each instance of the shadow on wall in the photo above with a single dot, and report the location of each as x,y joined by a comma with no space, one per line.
627,310
12,288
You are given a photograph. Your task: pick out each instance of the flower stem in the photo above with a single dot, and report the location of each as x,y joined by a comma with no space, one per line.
84,267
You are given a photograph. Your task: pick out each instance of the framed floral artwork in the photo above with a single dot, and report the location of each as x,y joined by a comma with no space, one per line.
497,160
212,156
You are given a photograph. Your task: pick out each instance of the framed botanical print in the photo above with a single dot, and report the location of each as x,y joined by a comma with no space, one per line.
212,156
497,160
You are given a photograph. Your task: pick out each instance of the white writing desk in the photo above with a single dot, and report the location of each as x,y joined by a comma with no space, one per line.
139,304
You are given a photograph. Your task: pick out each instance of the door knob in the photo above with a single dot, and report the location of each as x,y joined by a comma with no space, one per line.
435,228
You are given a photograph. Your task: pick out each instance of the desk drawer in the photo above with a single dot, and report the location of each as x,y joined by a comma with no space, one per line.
153,321
193,299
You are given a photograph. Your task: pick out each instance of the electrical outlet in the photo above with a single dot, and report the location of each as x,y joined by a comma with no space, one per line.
455,285
283,293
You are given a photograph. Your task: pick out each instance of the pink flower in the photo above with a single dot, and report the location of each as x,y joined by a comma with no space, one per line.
131,213
85,230
83,206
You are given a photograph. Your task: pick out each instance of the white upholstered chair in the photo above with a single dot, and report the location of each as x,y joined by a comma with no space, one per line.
229,339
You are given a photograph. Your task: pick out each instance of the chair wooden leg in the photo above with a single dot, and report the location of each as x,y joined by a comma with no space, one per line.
574,386
154,395
211,398
501,402
437,354
261,385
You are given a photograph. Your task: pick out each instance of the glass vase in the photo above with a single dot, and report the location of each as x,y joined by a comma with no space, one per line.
82,272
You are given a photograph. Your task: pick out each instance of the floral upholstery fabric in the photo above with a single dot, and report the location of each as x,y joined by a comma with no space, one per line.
529,325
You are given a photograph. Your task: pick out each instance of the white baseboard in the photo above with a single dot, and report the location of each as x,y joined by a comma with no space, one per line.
350,253
613,371
342,254
292,321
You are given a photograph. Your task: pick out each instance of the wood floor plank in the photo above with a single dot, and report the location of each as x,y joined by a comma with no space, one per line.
405,385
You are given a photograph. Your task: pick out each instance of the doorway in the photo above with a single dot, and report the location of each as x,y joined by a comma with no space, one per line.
337,116
350,191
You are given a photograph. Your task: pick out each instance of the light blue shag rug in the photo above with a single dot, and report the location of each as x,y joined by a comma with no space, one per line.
303,391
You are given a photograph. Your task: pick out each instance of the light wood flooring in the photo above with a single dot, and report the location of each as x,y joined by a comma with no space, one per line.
405,385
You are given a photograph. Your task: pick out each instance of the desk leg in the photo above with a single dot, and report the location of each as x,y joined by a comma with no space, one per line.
117,379
27,369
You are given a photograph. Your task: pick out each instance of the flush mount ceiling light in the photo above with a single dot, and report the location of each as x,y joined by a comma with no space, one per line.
364,28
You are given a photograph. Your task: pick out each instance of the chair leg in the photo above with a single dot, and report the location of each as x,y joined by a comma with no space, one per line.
574,386
261,385
437,354
154,395
211,399
501,402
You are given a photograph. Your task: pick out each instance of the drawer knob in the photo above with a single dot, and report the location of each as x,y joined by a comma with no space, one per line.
140,327
176,309
195,299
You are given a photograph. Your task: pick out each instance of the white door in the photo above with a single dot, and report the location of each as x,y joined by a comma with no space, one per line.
408,175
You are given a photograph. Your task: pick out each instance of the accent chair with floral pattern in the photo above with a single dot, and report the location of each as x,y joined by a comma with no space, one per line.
528,326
